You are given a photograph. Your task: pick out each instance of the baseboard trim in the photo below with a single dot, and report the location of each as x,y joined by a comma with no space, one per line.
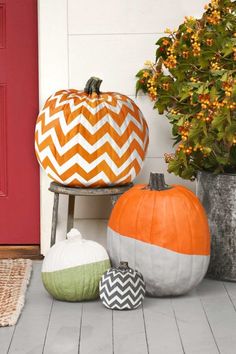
20,251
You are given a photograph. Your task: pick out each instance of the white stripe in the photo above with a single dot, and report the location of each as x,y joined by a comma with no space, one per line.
90,148
122,284
101,176
81,119
86,166
121,301
83,102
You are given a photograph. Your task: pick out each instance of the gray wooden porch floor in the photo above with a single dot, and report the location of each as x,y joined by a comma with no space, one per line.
203,322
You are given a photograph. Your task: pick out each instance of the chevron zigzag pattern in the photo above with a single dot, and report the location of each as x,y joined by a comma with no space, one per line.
122,290
95,140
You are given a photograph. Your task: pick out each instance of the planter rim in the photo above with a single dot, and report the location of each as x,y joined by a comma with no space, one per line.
217,174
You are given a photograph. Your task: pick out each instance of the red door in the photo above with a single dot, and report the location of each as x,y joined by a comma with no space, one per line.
19,173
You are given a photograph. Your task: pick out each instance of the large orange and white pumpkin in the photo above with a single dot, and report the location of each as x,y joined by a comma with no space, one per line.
162,231
88,138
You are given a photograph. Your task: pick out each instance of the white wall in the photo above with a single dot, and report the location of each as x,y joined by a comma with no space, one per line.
110,39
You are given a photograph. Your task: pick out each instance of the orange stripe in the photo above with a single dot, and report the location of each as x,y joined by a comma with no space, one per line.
103,166
92,138
79,97
106,148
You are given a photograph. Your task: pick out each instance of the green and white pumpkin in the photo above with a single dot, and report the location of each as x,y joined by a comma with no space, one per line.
72,268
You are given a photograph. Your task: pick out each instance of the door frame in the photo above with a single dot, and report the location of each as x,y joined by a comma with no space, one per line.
53,76
20,250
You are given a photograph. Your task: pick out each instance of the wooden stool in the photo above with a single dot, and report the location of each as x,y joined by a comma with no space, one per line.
72,192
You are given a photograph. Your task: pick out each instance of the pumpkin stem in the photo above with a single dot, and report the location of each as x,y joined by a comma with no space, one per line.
93,85
123,265
157,182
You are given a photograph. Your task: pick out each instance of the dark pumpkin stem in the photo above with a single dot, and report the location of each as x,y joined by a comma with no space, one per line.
123,265
93,85
157,182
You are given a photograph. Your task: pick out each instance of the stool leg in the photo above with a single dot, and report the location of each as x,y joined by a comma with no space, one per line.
54,218
114,199
71,208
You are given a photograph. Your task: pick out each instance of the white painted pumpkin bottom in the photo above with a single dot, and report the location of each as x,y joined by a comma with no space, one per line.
165,272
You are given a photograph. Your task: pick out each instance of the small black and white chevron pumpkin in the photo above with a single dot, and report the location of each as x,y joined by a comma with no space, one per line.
122,288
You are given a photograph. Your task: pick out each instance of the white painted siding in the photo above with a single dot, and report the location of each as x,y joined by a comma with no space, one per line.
110,39
114,58
128,16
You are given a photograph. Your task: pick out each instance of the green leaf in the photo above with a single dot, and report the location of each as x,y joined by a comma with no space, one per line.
195,97
203,62
208,140
213,93
138,87
181,121
175,166
160,40
218,121
222,159
224,77
195,134
175,130
188,172
184,95
177,140
140,73
201,89
229,26
228,50
183,158
218,72
204,128
160,107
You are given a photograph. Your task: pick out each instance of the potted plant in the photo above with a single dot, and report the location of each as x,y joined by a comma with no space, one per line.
193,81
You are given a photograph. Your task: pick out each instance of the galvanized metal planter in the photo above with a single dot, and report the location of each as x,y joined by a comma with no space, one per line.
218,196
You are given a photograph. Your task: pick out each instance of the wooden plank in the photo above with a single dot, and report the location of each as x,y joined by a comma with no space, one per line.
220,313
31,328
64,328
231,291
20,251
6,334
195,332
129,332
161,329
96,330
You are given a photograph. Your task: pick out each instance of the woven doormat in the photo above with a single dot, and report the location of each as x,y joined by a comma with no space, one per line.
14,277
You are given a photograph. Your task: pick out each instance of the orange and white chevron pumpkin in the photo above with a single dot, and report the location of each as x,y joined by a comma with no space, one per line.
162,231
87,138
